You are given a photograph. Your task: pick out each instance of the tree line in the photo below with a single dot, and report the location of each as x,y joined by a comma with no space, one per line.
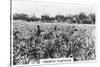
80,18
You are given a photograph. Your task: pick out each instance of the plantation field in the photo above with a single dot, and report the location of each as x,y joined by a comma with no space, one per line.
52,40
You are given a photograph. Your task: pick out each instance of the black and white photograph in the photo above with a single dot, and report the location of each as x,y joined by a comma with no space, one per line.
44,33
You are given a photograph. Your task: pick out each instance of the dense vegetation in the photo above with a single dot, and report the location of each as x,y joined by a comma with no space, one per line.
79,18
32,42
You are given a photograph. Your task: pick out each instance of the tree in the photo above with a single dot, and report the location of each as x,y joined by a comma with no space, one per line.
59,17
92,16
81,16
22,16
45,18
34,18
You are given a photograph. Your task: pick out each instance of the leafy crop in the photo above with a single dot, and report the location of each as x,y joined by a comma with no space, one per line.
54,41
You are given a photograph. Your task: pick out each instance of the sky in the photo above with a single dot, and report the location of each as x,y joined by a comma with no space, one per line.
52,9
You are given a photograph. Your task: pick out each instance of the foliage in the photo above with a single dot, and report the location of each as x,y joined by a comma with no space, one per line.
81,18
56,41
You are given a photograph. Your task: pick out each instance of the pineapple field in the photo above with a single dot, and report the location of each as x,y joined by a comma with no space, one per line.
33,41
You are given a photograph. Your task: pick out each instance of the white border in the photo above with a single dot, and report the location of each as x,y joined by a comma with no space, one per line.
55,63
96,25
